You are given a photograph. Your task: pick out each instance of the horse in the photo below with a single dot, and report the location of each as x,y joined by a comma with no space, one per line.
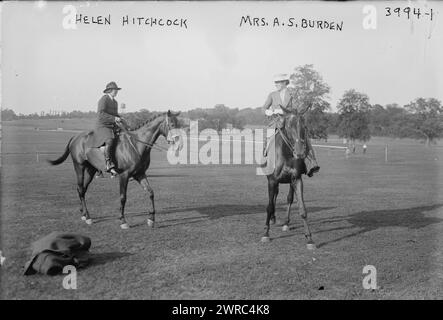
132,158
290,152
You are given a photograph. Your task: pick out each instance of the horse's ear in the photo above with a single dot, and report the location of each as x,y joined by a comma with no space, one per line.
169,113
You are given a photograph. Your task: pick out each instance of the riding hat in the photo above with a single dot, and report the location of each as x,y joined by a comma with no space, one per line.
111,86
281,77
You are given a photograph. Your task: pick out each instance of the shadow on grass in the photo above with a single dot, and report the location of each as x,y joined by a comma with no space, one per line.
207,213
228,210
167,175
103,258
366,221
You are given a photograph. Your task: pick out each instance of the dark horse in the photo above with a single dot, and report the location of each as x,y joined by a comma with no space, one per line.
289,165
132,158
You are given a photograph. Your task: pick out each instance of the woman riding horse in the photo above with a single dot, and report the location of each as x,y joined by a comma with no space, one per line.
132,159
283,97
290,147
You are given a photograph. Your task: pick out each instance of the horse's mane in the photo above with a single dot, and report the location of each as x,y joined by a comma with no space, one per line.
145,122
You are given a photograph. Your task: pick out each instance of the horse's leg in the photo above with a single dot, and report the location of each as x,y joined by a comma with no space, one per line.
290,199
275,202
151,210
270,210
302,211
124,178
88,177
80,172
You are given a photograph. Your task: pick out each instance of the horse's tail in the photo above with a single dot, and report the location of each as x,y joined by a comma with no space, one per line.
63,157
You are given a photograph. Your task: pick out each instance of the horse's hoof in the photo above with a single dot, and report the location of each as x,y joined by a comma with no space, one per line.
150,223
88,221
265,239
310,246
83,218
124,226
285,228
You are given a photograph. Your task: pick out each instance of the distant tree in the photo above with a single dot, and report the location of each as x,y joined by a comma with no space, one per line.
426,119
354,116
384,120
332,119
317,122
217,118
220,116
378,122
8,115
252,116
196,114
312,91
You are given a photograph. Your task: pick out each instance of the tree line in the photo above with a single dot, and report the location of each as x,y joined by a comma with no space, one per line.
355,119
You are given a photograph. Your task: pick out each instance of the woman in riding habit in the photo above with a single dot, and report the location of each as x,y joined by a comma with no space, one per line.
285,97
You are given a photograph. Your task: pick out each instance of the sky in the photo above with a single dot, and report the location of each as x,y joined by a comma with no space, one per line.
214,60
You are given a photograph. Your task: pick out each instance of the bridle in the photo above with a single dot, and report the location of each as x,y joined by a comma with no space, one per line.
148,144
286,140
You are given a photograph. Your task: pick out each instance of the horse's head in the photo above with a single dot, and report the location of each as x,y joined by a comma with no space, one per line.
168,128
294,130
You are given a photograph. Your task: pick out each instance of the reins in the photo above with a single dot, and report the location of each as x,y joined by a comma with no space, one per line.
149,144
286,140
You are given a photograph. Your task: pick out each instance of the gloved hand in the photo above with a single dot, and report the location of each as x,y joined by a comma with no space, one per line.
278,111
271,111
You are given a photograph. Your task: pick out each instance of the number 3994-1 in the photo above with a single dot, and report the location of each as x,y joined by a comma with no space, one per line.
409,13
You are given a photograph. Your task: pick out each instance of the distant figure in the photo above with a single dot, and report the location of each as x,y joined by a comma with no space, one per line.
364,148
353,148
348,152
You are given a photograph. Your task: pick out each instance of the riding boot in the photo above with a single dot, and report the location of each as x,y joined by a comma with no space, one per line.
110,167
314,167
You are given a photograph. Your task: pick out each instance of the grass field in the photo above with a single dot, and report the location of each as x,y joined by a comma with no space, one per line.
206,243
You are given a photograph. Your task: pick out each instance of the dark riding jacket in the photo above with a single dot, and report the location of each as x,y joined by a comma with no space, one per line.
107,111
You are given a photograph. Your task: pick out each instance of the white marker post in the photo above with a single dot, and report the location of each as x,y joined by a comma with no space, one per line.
386,153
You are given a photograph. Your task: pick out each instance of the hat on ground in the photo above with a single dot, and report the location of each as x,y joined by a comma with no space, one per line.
111,86
281,77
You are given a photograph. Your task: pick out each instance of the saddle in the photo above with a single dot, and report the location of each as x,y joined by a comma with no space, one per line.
96,138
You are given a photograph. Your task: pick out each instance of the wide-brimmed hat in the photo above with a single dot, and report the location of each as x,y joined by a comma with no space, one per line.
281,77
111,86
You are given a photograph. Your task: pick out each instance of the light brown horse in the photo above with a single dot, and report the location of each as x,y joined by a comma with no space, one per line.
290,152
132,159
